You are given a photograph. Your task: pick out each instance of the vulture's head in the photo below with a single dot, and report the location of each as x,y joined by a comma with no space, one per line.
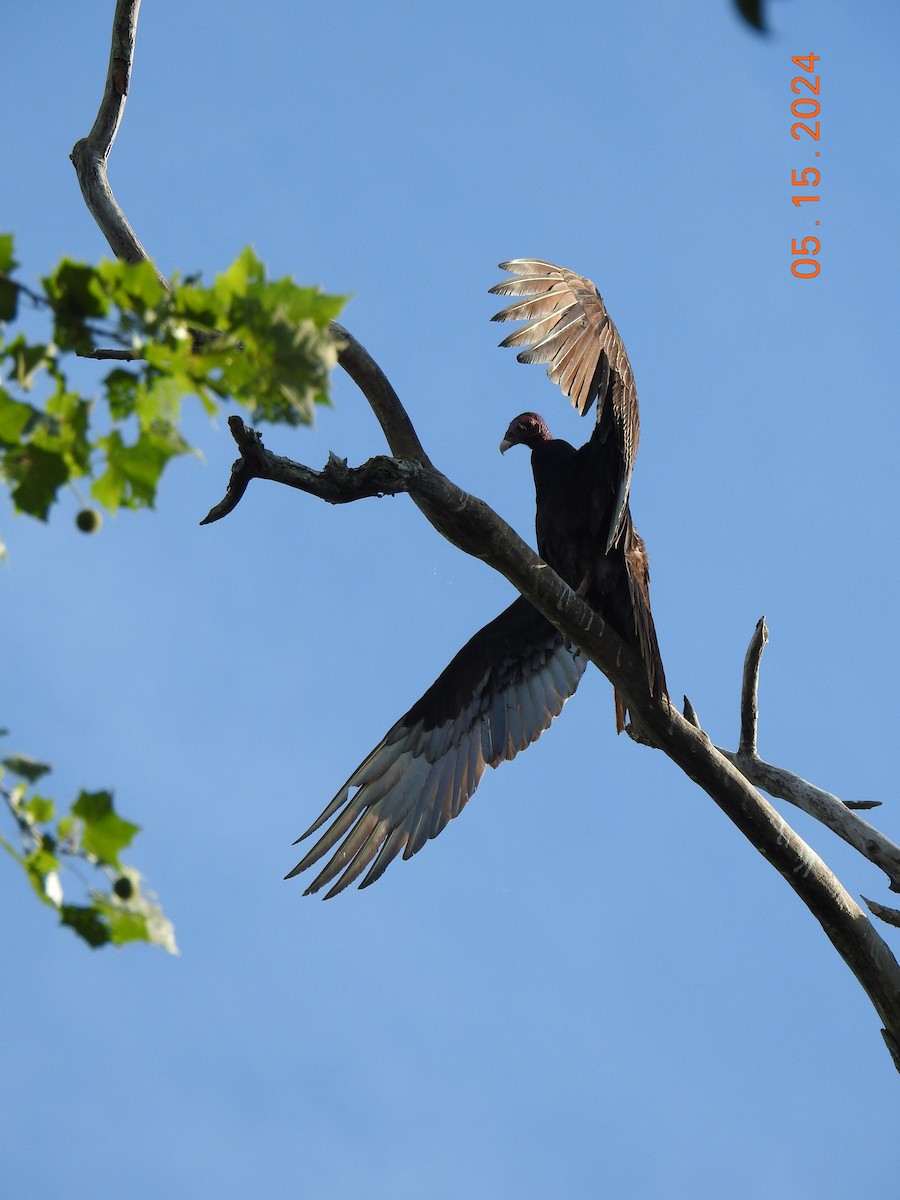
528,429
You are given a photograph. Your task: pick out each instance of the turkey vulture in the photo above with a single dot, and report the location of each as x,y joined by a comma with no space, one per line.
506,685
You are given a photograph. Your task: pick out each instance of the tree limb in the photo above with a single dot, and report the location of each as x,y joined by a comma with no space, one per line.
473,527
90,155
336,482
785,785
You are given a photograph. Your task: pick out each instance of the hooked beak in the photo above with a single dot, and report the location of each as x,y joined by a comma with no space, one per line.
505,445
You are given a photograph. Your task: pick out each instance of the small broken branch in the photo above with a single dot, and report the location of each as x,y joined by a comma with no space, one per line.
750,689
784,785
825,807
115,355
690,714
336,482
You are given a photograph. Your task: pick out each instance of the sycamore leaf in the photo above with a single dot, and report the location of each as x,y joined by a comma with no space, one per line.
15,417
104,832
121,388
40,809
39,864
7,258
132,472
37,474
9,293
86,922
77,296
134,286
26,768
27,359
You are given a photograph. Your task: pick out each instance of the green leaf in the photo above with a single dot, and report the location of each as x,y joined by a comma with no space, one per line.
138,919
26,767
126,926
66,428
121,389
109,489
39,864
158,401
132,286
110,920
77,296
105,833
7,258
14,419
40,810
38,474
132,472
245,270
27,359
87,923
9,293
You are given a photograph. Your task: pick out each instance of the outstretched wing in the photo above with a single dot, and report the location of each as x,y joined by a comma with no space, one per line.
495,698
568,328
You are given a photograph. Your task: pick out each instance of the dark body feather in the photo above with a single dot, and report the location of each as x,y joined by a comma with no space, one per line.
509,681
584,525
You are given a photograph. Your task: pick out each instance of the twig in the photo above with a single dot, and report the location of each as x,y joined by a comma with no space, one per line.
117,355
336,482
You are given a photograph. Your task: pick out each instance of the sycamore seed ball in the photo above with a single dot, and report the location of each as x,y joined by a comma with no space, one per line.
89,520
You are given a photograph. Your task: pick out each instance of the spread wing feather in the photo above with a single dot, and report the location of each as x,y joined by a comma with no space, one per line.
495,698
569,329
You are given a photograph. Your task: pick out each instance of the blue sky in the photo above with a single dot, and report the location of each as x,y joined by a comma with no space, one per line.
589,984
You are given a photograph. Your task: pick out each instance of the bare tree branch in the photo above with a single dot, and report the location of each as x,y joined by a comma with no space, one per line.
749,692
383,400
825,807
90,155
336,482
473,527
785,785
115,355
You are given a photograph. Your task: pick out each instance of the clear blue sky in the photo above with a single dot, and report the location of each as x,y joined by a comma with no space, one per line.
589,985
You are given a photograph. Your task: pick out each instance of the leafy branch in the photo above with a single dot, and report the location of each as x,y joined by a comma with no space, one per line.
117,911
261,343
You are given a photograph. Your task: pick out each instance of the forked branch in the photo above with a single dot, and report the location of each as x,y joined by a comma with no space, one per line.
475,528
